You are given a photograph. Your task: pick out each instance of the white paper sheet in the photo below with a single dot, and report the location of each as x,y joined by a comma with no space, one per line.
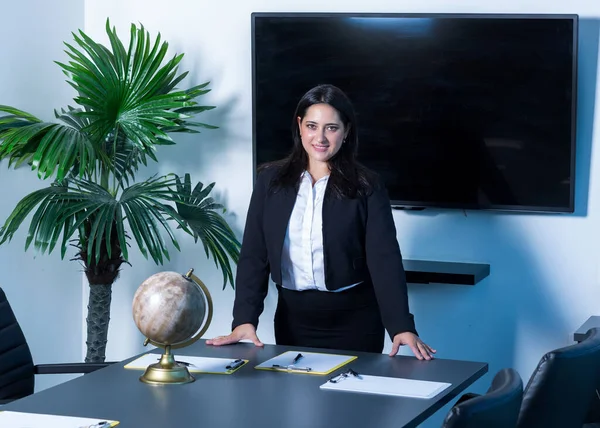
320,364
388,386
197,364
10,419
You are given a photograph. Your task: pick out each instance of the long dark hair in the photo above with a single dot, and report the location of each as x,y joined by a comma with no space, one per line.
348,178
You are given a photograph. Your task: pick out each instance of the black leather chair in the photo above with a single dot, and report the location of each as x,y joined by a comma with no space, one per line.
17,370
562,386
498,408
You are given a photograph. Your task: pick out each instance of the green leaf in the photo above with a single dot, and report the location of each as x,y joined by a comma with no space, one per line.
207,225
19,113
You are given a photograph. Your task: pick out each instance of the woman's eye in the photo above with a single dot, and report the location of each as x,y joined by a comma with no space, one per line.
333,128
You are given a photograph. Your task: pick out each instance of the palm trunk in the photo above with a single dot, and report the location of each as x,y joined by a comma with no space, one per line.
98,318
101,273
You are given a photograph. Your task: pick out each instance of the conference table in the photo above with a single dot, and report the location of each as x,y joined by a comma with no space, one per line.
253,398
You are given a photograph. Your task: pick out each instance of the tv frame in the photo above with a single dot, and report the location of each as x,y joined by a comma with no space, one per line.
419,205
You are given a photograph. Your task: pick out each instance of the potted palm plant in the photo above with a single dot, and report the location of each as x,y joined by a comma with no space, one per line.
128,104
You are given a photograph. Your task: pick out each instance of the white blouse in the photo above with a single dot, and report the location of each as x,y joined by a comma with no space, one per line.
302,256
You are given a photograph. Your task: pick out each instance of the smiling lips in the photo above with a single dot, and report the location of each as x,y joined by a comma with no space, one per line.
320,148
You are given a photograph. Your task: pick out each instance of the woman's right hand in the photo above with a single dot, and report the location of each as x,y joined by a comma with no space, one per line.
241,332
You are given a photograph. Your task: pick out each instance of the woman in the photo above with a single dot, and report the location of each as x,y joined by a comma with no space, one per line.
321,225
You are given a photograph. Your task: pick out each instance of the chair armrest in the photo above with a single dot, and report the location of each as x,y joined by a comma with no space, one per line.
68,368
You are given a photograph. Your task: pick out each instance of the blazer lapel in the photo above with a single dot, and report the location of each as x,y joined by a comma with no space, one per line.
282,204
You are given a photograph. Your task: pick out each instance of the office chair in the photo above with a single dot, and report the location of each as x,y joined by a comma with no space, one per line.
562,386
497,408
17,370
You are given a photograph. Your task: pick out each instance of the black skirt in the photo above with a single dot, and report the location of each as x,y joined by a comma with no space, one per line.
347,320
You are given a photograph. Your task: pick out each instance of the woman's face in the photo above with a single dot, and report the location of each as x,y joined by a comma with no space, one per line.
322,132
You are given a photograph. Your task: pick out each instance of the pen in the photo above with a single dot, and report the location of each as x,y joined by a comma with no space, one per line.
235,364
355,374
297,358
280,367
345,375
101,424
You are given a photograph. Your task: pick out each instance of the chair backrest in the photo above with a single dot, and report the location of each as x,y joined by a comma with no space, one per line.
498,408
562,386
16,363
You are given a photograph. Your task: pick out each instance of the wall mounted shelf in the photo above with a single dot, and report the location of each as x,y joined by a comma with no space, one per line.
432,271
581,332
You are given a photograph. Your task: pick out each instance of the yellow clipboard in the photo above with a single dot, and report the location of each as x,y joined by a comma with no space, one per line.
313,363
206,365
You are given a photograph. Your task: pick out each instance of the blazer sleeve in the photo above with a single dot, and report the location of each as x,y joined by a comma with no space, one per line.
252,277
384,261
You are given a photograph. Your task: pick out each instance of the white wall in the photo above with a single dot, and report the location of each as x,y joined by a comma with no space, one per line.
44,291
545,278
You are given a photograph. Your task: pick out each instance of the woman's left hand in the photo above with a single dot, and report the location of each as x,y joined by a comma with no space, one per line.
419,348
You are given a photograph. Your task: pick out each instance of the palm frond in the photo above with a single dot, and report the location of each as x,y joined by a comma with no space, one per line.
129,92
147,215
49,147
206,224
57,207
79,205
125,89
24,208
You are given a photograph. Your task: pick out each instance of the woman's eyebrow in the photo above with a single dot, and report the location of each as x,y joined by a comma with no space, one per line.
327,124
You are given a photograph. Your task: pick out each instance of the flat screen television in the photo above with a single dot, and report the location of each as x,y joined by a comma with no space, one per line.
454,111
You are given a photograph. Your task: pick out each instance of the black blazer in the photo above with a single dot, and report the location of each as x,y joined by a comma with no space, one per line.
359,244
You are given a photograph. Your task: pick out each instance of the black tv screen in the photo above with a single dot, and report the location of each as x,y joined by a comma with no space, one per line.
454,111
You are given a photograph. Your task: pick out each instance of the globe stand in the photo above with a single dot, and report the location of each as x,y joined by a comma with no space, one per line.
167,370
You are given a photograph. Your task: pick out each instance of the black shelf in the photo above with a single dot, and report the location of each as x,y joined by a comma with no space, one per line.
581,332
431,271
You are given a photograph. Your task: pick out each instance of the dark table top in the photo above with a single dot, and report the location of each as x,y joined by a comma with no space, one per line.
253,398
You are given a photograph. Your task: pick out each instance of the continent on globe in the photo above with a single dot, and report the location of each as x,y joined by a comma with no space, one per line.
169,308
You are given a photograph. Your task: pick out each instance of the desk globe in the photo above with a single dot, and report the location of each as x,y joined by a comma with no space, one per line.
169,309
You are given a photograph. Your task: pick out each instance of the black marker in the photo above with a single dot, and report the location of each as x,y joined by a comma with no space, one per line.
235,364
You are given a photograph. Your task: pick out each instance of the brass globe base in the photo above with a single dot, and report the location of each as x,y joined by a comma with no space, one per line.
156,375
167,371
